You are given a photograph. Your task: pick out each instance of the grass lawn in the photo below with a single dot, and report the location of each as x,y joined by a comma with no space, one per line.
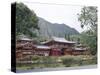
58,61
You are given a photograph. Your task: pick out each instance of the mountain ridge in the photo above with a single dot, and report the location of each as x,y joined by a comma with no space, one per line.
49,29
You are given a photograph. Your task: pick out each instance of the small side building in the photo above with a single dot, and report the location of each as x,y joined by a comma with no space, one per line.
81,50
24,48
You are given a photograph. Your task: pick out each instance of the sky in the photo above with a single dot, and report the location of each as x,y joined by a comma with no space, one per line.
55,13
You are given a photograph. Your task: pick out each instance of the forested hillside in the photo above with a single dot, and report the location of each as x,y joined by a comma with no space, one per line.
26,19
29,24
54,29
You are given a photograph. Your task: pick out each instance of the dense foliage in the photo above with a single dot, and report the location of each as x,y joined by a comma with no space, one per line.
88,19
62,61
48,29
25,20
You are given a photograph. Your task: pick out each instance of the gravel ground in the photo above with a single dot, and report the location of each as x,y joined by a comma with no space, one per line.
57,69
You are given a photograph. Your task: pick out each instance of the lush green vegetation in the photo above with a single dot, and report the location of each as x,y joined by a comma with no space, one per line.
26,20
61,61
79,60
88,19
87,40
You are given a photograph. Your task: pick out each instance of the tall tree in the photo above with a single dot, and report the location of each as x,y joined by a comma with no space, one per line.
25,20
88,19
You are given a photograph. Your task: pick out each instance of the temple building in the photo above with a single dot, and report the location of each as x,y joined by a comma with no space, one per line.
80,49
26,48
60,46
42,50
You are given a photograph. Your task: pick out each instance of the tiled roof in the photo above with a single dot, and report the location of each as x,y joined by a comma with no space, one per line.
23,37
59,39
80,48
42,46
26,39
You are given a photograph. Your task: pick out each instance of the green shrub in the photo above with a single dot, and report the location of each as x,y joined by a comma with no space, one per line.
67,62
